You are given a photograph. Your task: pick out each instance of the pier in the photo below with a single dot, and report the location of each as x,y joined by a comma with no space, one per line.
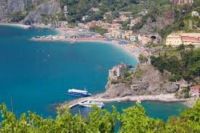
103,98
76,102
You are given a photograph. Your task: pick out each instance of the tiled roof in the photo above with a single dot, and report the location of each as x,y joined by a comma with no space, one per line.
196,87
190,39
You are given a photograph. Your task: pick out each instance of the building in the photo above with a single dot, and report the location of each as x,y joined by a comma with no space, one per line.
107,15
117,34
143,13
135,21
62,24
93,9
195,14
84,18
195,91
182,84
117,72
65,11
126,34
144,39
133,38
176,39
182,2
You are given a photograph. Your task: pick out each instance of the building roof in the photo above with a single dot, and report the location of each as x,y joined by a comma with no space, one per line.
180,2
195,87
193,38
190,39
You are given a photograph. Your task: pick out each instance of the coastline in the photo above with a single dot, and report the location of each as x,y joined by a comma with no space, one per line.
66,34
125,49
132,50
135,55
16,25
168,98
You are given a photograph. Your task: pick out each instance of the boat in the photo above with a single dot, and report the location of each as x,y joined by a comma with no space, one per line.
78,92
90,104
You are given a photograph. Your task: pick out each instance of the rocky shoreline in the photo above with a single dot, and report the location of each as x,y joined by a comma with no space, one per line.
144,80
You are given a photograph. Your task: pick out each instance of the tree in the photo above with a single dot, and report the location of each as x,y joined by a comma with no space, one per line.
132,120
135,120
143,59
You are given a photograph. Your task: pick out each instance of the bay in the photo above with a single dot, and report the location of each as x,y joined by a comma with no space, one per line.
36,75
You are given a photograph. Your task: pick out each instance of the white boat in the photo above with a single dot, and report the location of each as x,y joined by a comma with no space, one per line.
90,104
77,92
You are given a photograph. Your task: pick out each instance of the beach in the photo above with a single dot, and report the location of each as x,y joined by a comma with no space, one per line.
70,35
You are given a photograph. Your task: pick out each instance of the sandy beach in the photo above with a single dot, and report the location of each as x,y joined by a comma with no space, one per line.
16,25
132,49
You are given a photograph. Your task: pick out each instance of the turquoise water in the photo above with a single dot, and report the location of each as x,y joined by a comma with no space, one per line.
36,75
153,109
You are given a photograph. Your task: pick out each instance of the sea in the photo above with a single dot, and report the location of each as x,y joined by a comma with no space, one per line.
35,76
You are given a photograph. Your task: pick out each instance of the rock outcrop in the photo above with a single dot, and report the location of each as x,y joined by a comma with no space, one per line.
49,8
31,11
157,23
146,80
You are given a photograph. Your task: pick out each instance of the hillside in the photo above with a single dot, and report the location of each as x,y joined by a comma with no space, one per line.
12,10
28,11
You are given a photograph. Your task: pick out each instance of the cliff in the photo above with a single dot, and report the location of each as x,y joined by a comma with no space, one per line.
28,11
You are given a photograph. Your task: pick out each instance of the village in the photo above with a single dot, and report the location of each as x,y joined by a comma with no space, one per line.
112,33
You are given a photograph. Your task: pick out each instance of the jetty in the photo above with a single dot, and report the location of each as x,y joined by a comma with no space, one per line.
103,98
76,102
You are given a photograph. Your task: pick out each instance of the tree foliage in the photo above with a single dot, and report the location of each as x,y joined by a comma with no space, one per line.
184,64
99,30
79,8
131,120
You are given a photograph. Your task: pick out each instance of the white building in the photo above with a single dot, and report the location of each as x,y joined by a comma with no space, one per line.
65,11
195,14
176,39
118,71
133,38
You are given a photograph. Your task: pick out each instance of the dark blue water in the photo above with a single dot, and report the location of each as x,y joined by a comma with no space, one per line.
36,75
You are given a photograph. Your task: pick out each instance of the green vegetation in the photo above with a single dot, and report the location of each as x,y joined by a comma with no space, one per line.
18,16
138,73
182,62
183,93
99,30
79,8
184,20
132,120
143,58
125,25
128,76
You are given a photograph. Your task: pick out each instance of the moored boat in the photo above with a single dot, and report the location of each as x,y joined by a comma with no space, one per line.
78,92
90,104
